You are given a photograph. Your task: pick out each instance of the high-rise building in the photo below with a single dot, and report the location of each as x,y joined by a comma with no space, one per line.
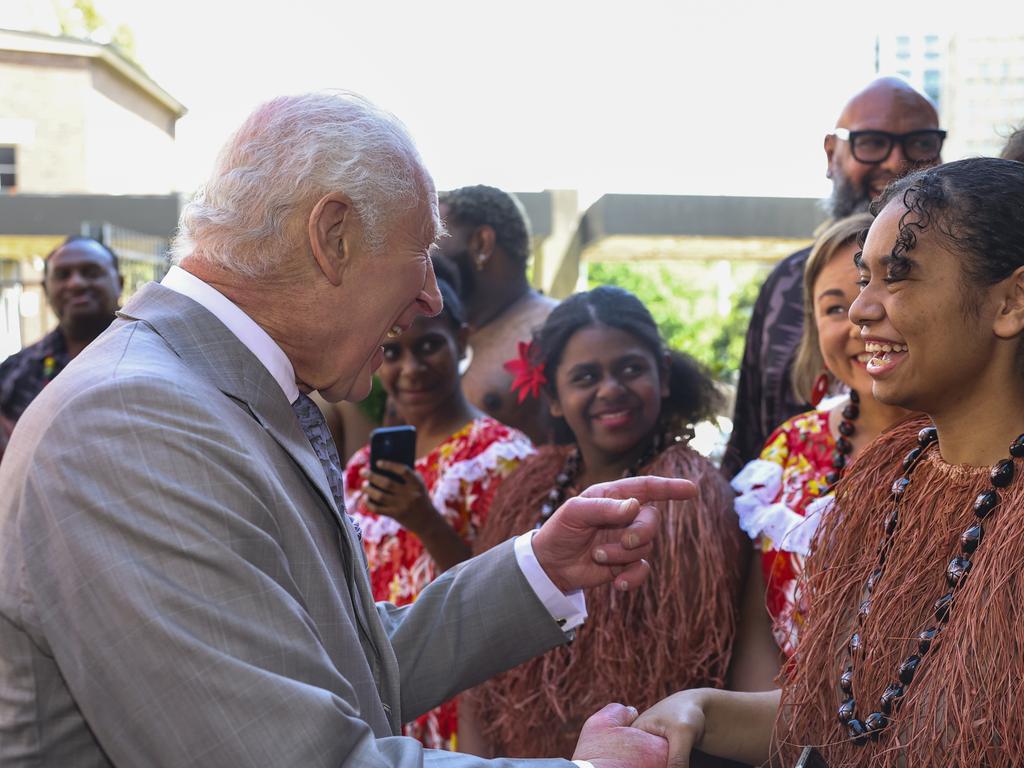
919,58
975,80
984,93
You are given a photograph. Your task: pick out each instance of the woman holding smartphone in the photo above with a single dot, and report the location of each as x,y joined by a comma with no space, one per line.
418,522
912,650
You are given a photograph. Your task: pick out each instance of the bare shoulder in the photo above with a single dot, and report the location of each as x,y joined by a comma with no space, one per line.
517,324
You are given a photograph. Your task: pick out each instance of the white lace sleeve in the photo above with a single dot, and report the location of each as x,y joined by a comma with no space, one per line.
758,485
448,487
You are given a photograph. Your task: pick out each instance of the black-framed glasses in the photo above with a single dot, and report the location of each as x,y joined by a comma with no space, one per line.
876,146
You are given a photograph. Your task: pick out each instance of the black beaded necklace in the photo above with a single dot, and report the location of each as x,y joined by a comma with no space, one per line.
1001,475
844,447
571,470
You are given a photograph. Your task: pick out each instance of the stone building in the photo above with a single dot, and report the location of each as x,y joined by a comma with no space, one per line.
86,146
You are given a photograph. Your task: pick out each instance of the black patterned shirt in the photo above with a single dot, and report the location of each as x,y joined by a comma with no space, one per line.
764,395
24,374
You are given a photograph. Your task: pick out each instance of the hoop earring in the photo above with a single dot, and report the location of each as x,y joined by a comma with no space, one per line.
820,388
465,361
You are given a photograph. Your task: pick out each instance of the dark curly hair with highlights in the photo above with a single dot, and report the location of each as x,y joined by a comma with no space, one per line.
692,394
481,205
974,206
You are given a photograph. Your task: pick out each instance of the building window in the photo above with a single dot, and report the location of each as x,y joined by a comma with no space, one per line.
932,84
8,178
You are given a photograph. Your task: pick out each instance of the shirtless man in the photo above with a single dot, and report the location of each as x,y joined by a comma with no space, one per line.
489,245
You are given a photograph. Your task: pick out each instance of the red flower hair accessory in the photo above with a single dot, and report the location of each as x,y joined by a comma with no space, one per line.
529,376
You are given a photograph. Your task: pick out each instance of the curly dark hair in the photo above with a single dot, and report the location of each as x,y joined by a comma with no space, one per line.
692,394
482,205
976,207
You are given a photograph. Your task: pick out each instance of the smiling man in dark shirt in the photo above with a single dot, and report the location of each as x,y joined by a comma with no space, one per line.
83,286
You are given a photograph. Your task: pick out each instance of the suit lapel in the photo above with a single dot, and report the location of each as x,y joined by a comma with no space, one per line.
210,349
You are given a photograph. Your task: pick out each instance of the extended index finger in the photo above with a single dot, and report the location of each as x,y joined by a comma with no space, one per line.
644,489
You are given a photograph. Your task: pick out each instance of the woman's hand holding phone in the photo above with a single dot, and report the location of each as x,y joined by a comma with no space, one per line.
407,501
404,499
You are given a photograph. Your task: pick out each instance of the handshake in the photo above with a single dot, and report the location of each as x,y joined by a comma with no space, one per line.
609,740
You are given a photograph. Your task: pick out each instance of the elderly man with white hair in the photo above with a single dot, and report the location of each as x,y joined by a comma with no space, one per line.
179,582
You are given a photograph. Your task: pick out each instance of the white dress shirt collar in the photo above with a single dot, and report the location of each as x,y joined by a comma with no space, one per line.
240,324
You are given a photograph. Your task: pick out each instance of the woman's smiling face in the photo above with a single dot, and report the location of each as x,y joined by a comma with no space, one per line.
420,371
609,390
928,349
839,340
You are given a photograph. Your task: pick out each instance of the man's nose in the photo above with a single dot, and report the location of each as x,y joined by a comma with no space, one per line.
429,300
76,279
897,163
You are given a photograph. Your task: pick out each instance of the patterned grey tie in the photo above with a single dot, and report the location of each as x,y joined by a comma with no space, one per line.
315,427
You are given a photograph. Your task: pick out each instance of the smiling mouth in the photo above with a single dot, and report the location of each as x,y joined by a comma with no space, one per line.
614,418
883,355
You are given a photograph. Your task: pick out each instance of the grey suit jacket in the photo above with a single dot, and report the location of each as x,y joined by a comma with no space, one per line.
178,588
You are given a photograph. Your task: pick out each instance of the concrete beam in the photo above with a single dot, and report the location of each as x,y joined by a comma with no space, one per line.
24,214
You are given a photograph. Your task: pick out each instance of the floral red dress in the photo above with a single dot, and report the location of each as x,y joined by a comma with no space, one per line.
462,475
781,496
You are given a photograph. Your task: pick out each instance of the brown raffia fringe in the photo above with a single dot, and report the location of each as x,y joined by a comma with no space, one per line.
964,707
676,632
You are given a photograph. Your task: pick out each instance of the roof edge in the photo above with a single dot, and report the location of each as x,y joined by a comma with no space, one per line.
35,42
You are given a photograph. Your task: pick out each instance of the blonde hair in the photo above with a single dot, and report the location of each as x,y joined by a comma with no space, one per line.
809,362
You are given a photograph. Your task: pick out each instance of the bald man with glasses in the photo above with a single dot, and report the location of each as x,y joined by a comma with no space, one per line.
884,131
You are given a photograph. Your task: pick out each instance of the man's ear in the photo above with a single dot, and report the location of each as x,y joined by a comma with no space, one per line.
483,239
1009,320
332,229
830,151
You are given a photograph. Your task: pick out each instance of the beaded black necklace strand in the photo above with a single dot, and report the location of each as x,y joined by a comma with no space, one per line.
1001,475
843,445
571,469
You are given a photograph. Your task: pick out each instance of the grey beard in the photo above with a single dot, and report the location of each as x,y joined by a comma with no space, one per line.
846,200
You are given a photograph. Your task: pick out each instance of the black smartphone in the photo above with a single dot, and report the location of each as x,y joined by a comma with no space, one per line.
397,444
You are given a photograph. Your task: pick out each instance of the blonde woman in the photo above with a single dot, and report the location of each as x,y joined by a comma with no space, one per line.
781,492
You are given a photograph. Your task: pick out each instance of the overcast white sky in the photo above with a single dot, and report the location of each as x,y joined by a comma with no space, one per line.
719,97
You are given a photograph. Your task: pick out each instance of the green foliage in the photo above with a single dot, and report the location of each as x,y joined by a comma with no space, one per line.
81,19
374,404
700,309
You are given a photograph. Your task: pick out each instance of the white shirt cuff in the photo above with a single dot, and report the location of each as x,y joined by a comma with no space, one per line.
569,610
583,763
